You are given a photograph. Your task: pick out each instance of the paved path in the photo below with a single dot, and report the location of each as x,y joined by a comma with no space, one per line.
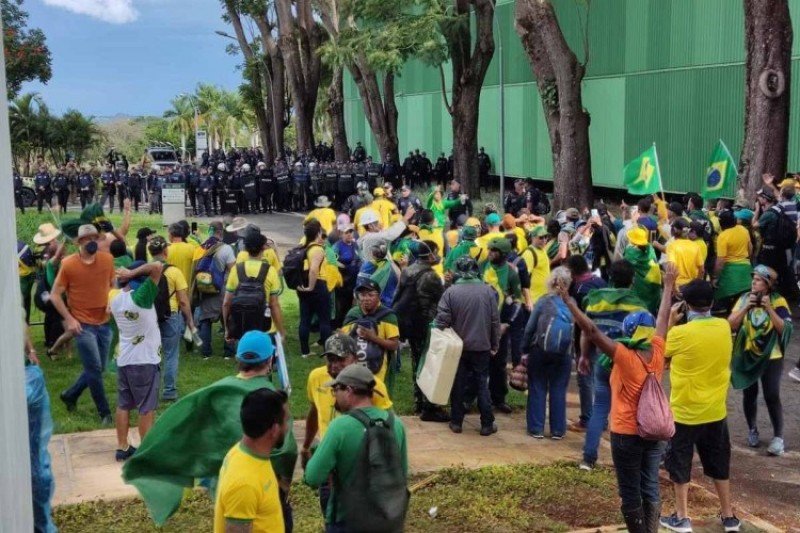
85,469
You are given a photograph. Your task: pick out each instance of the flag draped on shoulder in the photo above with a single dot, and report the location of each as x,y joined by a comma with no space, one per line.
643,174
647,275
190,440
721,173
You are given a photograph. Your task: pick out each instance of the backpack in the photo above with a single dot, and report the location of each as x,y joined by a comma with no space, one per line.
406,306
653,416
369,353
294,272
540,202
249,303
161,303
785,235
375,498
208,278
554,325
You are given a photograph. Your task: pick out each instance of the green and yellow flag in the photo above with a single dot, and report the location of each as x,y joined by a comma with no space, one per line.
720,173
643,175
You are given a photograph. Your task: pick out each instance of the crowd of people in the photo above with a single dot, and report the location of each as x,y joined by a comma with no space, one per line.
702,290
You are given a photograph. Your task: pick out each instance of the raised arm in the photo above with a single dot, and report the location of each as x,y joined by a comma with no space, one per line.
664,310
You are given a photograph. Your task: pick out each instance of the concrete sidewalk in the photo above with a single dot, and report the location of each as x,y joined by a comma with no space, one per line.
85,469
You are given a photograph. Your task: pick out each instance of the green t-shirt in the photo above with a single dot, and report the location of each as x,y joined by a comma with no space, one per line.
145,294
341,448
123,261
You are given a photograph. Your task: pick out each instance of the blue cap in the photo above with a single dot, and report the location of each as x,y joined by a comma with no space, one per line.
255,347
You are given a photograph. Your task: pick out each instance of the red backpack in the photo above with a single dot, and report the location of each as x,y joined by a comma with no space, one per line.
653,416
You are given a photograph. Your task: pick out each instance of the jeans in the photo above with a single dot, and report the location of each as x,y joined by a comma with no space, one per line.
93,344
317,302
204,328
515,335
636,464
586,393
548,376
473,366
171,333
600,410
771,385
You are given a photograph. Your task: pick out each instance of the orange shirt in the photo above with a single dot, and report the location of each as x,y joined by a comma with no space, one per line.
87,286
627,378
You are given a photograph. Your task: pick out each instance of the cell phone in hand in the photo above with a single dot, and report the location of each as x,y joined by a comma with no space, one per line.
595,213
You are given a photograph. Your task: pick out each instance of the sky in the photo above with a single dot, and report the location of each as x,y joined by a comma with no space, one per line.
130,57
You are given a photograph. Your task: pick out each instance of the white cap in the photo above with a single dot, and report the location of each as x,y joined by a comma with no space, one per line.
246,168
221,166
368,217
86,230
261,164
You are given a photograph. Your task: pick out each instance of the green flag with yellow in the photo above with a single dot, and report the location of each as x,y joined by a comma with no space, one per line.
642,175
721,173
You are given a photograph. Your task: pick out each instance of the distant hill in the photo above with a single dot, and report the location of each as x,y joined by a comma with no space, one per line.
118,117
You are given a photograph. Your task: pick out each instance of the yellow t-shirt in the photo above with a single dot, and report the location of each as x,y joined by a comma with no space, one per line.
701,244
483,242
733,245
539,272
326,217
269,255
248,492
385,208
387,329
181,255
322,397
522,241
687,258
436,236
699,376
175,282
313,251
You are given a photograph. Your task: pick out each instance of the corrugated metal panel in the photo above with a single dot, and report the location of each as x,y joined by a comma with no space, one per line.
664,72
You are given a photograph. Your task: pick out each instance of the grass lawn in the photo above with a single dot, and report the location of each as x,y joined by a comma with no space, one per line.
531,498
194,372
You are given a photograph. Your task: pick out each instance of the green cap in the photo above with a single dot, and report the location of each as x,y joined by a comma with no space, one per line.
500,244
538,231
469,233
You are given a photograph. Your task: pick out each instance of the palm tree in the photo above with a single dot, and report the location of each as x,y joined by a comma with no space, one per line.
26,117
79,134
209,104
181,119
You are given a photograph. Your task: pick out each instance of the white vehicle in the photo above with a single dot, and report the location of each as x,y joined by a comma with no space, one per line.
163,156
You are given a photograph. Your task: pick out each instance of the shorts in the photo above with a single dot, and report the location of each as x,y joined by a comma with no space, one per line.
137,387
713,443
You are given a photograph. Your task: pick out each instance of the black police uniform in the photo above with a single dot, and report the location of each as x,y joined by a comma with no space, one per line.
61,186
250,192
135,188
192,179
19,201
205,184
109,189
85,189
122,185
44,191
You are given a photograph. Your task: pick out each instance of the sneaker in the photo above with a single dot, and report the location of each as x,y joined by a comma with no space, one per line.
776,446
673,523
536,434
752,438
586,465
730,523
795,374
556,436
455,428
71,404
488,430
124,455
106,421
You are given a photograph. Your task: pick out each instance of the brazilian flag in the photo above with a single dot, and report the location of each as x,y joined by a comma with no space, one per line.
721,173
643,175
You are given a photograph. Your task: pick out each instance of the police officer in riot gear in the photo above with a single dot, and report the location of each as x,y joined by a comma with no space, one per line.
390,171
44,190
218,191
359,154
265,183
61,187
19,201
205,185
135,186
121,182
108,179
484,165
440,170
85,188
356,201
250,190
192,179
284,184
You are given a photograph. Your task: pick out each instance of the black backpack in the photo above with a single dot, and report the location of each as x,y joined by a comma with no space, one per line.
161,303
406,306
293,270
785,235
369,353
375,498
249,303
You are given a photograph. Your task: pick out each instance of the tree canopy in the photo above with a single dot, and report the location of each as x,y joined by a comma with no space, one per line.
26,53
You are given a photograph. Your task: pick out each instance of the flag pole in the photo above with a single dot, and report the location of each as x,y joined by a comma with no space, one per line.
658,169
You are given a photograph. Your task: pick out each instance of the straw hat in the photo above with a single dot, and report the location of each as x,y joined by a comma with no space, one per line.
237,224
47,232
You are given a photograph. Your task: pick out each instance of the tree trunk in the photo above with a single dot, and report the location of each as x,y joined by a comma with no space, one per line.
379,108
768,34
275,74
469,64
299,38
336,112
558,76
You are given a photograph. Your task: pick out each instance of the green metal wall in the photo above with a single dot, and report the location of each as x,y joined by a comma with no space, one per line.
663,71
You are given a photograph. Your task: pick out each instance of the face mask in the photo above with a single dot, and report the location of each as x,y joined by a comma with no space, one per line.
91,247
498,260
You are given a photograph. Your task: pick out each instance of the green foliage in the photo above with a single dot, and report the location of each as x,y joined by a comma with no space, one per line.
26,53
36,132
